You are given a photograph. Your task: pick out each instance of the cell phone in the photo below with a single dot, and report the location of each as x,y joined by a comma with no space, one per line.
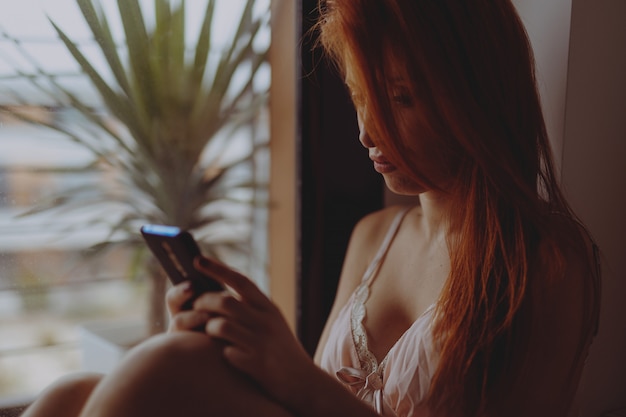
176,250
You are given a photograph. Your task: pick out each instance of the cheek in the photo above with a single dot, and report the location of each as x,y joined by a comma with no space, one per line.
413,137
431,158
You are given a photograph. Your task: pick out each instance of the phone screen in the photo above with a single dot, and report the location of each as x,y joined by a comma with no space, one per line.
176,250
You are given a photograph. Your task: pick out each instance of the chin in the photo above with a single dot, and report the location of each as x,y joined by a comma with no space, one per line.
403,186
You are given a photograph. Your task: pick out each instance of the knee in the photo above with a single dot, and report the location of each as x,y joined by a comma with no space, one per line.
161,376
178,348
66,396
172,357
75,384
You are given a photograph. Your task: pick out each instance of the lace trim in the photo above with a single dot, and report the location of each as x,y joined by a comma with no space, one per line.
367,360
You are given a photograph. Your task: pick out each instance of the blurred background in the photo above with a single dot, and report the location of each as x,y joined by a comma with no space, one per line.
50,284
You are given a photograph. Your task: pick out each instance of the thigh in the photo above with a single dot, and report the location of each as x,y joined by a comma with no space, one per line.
178,374
64,398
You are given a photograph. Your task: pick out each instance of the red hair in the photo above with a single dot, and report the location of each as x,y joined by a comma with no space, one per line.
470,67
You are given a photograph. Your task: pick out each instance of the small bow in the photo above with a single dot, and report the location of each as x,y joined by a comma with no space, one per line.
368,387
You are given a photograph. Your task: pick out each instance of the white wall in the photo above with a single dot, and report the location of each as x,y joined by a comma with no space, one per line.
594,176
548,25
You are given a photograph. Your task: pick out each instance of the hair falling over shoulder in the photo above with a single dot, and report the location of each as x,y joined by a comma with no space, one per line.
470,66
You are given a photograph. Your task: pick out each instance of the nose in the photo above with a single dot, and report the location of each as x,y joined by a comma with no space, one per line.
364,137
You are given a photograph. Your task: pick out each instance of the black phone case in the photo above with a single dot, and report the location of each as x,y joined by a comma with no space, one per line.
176,250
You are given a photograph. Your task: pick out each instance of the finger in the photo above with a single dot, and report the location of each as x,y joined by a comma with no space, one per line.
230,331
189,320
241,358
177,296
237,282
225,304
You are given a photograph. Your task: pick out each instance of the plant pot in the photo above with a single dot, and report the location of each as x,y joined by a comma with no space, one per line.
104,343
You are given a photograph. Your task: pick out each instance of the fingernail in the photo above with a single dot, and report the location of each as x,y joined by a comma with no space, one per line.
201,262
186,286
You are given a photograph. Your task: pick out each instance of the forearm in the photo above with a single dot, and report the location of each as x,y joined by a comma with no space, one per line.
323,395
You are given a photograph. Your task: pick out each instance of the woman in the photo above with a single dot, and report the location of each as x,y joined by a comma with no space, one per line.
481,301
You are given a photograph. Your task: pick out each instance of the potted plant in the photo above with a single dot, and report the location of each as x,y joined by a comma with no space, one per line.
170,108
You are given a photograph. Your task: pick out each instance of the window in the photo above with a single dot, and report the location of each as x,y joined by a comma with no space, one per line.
50,285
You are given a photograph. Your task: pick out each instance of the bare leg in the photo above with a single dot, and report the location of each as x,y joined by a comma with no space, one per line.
65,398
178,374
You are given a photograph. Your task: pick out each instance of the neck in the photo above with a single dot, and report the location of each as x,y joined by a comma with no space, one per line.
435,207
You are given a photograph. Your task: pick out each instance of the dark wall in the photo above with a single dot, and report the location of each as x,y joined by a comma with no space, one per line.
338,184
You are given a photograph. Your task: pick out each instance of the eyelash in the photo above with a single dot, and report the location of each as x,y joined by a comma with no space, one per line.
402,96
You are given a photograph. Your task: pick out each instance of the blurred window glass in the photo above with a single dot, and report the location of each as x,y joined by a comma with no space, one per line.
49,285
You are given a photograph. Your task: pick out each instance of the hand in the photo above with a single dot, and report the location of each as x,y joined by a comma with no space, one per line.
258,341
184,319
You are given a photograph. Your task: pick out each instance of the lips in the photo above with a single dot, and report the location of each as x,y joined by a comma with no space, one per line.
382,165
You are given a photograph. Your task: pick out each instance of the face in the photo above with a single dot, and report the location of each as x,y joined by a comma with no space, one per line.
404,107
397,181
426,153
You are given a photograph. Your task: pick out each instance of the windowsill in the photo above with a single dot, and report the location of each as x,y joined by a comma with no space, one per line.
13,407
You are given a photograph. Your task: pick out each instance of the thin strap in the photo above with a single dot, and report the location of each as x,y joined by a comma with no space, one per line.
367,359
384,247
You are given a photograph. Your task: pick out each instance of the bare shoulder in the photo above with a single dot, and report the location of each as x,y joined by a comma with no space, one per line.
365,240
371,229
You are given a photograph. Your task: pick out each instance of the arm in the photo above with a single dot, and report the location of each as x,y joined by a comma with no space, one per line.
258,342
366,237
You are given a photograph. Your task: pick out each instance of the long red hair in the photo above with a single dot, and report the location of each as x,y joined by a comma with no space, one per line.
471,68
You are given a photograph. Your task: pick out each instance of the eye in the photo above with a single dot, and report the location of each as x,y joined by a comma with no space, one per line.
402,96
